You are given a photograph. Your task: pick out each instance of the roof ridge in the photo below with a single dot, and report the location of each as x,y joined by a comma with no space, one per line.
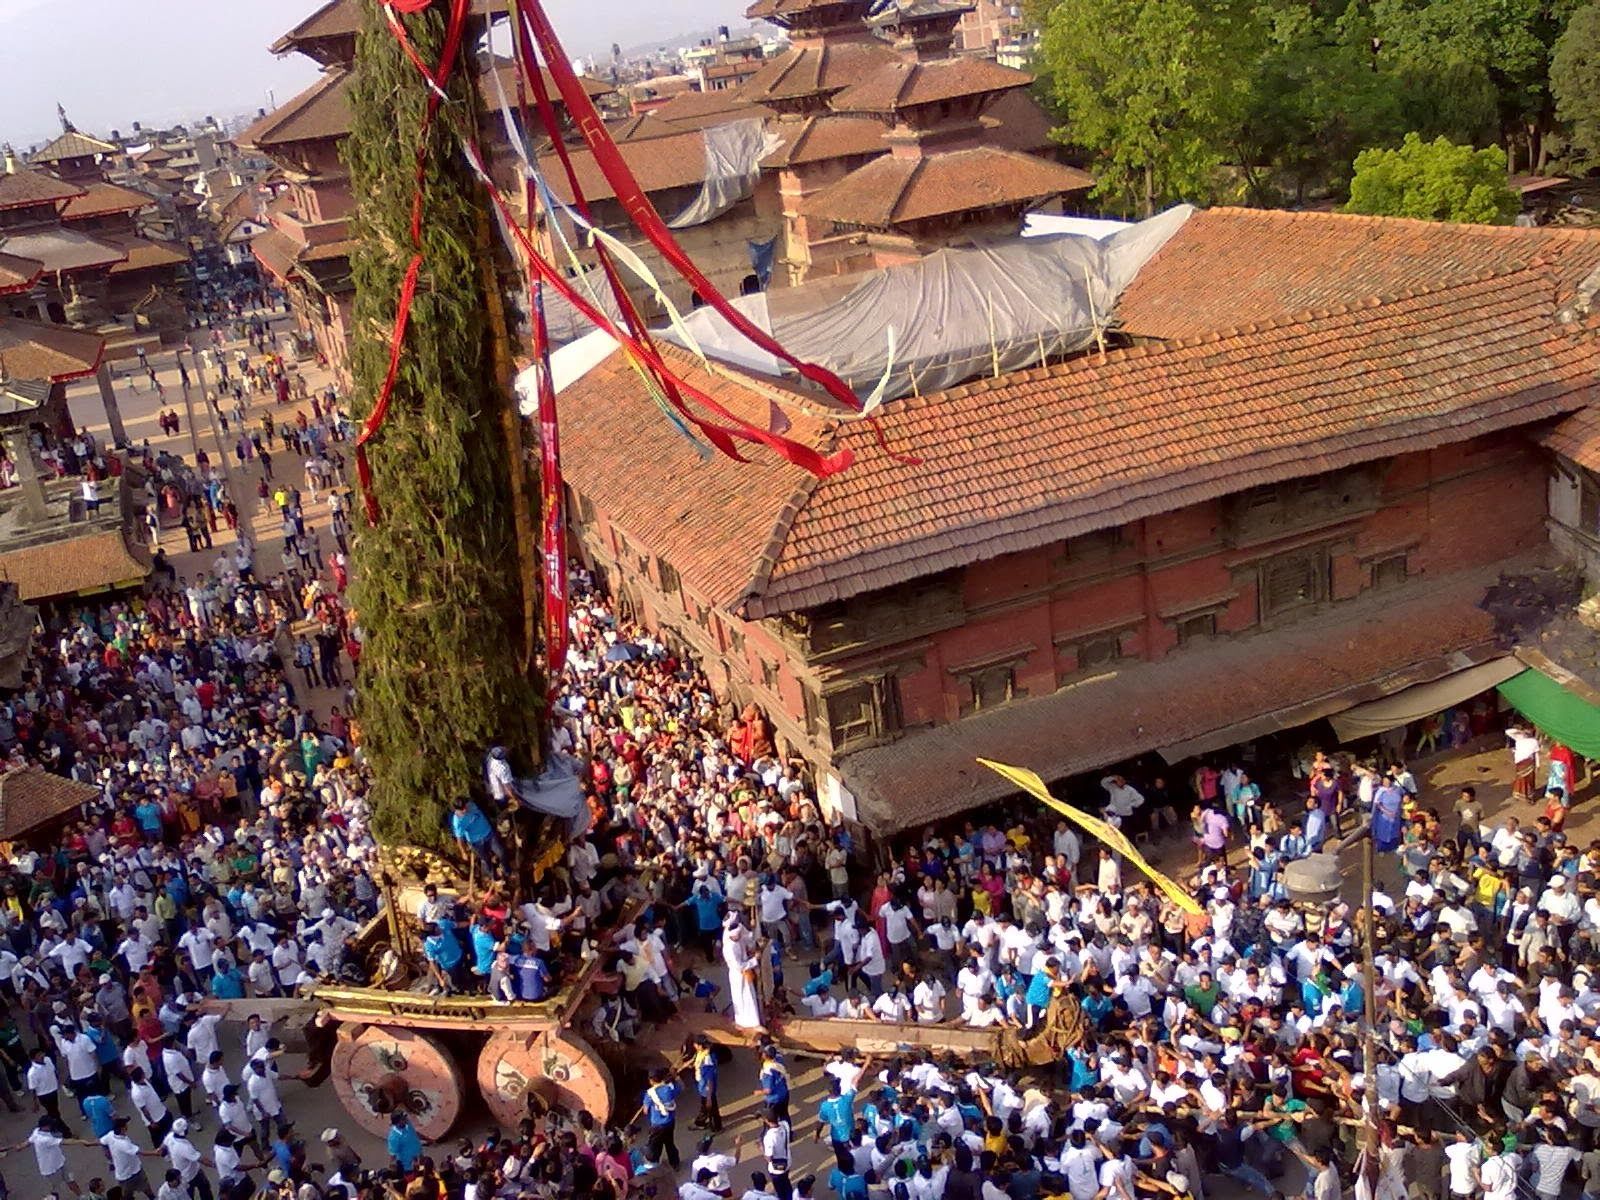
1470,227
767,561
1253,328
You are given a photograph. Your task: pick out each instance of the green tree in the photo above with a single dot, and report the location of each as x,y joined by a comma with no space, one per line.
1315,101
1150,90
1575,82
444,672
1466,61
1436,181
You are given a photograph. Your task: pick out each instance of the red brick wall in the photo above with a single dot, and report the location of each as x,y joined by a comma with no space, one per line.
1446,511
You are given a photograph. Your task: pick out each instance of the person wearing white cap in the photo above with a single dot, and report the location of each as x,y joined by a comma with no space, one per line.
185,1160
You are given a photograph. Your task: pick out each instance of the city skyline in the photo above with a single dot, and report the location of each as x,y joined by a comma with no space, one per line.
110,63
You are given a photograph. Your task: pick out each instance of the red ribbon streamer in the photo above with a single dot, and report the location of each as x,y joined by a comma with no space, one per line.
637,205
408,6
798,453
553,498
522,43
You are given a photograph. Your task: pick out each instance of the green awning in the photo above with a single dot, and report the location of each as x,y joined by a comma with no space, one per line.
1555,711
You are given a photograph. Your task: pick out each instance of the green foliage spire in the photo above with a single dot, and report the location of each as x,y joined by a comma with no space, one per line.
436,586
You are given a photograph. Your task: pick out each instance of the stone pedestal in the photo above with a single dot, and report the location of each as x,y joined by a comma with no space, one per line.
20,448
108,397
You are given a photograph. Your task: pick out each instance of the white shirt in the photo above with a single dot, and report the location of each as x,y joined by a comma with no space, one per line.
124,1152
42,1078
774,903
47,1149
263,1093
1461,1158
869,954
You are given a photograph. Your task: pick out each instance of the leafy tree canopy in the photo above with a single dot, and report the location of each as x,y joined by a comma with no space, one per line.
1575,81
1436,181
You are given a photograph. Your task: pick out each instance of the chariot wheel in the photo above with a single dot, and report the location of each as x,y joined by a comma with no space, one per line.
379,1070
553,1067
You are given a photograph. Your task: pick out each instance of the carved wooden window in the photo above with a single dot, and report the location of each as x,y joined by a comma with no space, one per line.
863,712
669,577
1389,573
813,707
1099,652
992,687
1293,581
1197,628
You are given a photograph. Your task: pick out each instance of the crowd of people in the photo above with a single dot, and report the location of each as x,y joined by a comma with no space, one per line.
227,855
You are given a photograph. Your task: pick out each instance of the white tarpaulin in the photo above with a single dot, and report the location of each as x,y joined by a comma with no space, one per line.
733,164
955,315
1422,700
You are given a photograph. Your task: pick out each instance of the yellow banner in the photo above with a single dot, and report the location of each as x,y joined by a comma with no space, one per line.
1109,834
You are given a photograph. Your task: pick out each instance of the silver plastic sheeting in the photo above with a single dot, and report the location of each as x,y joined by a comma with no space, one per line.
564,322
955,315
733,164
558,792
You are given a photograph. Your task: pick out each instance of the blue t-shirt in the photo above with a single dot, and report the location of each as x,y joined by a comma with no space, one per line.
405,1146
483,948
97,1110
471,825
707,913
533,978
838,1114
847,1187
661,1103
813,986
1039,989
775,1083
443,948
148,814
227,985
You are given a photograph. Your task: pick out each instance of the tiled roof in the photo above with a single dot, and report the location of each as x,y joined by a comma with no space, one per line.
890,190
659,163
622,457
144,253
63,249
901,84
1037,456
1156,428
25,187
18,274
102,198
33,350
780,11
809,70
1017,121
100,558
321,111
276,251
1230,266
71,144
30,797
506,69
152,156
342,18
819,139
696,110
1577,437
1276,679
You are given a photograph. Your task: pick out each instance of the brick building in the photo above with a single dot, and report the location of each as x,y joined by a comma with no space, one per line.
1282,495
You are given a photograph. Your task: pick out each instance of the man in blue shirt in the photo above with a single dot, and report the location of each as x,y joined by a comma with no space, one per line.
705,1084
661,1110
97,1110
533,977
837,1114
444,954
226,982
473,831
405,1147
774,1082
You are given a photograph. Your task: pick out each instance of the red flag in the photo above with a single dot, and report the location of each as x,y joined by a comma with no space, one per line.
553,497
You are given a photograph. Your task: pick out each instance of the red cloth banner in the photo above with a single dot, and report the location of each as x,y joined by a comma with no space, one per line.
553,497
637,204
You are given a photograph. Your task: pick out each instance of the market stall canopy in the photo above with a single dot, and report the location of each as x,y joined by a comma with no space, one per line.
1422,700
1555,710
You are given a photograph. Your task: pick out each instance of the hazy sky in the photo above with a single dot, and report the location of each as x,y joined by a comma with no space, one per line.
113,62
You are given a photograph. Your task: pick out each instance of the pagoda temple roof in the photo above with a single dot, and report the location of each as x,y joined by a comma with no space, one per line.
71,144
900,84
893,190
